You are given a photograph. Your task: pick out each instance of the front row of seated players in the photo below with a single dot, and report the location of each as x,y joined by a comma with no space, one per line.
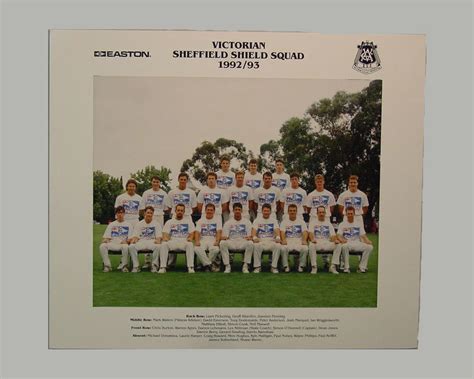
237,235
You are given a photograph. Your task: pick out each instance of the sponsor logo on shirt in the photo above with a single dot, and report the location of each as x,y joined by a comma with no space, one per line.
224,181
131,206
148,232
182,198
119,231
279,183
208,230
351,233
179,230
354,201
294,198
154,200
321,232
253,183
212,198
294,231
320,200
239,197
266,198
265,230
237,231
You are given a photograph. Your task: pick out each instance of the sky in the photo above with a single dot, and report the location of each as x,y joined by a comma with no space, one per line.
160,121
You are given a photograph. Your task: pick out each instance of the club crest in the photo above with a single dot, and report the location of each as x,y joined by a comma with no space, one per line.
367,59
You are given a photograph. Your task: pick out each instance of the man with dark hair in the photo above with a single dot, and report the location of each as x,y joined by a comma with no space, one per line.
351,234
281,179
237,237
294,194
157,198
211,194
253,178
225,177
294,236
182,195
207,236
240,193
146,236
116,238
266,237
130,201
268,194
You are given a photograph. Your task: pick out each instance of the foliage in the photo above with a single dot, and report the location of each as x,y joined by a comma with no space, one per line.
143,178
105,189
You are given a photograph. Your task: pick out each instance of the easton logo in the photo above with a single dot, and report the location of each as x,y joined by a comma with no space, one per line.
367,59
121,54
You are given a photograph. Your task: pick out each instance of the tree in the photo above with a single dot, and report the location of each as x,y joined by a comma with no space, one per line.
206,158
143,178
105,189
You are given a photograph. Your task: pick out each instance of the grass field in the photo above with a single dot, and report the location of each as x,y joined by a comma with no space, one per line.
177,288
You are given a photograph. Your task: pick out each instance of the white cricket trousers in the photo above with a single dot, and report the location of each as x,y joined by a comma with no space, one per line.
359,247
110,246
236,245
147,245
294,246
264,245
206,245
325,246
176,245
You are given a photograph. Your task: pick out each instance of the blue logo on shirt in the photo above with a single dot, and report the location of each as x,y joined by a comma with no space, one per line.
321,231
294,198
208,230
238,231
320,200
294,231
148,232
179,230
119,231
154,200
212,198
182,198
131,206
279,183
253,183
266,198
265,230
351,233
224,181
239,197
354,201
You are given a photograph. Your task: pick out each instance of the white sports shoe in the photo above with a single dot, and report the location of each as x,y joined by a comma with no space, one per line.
227,269
120,266
274,270
300,269
286,269
257,270
107,269
191,270
347,271
135,269
361,270
333,270
162,270
124,269
314,270
245,268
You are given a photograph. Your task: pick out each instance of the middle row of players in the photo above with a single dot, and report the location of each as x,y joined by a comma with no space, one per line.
240,235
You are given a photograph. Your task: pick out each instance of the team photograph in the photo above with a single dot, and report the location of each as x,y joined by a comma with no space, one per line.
293,225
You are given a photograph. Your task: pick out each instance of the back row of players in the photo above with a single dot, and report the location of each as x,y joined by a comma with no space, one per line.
259,198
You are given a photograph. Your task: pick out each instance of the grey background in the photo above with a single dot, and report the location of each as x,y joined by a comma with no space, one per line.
446,289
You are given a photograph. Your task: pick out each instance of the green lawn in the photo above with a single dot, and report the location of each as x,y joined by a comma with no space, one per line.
177,288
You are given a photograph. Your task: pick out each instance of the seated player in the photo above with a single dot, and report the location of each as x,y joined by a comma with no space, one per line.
294,235
116,238
207,236
266,237
178,235
237,237
146,237
351,234
322,238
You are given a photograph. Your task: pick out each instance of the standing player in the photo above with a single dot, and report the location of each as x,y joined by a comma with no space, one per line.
266,237
116,238
182,195
355,198
207,236
320,197
240,193
156,198
237,237
322,238
281,179
178,235
253,178
225,177
351,234
294,235
268,194
211,194
293,195
146,236
130,201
